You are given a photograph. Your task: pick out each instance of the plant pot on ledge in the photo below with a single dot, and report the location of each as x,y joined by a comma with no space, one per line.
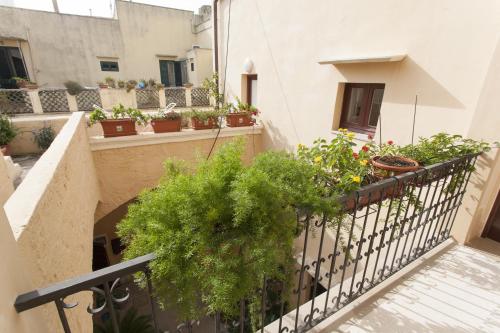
388,166
209,123
239,119
166,125
118,127
5,149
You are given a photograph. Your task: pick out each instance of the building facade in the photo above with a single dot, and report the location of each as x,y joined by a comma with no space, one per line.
362,65
169,45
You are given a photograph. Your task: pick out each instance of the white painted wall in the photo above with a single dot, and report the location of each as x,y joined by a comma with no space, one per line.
449,45
61,47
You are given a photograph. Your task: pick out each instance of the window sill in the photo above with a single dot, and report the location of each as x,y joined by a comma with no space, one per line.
358,136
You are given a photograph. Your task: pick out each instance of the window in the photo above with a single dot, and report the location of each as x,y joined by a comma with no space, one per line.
109,66
173,73
361,107
11,63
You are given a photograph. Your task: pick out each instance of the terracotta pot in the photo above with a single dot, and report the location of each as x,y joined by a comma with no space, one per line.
239,119
206,124
103,85
5,150
166,125
118,127
31,86
392,170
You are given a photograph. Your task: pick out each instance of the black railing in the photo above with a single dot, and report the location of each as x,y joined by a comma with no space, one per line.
385,227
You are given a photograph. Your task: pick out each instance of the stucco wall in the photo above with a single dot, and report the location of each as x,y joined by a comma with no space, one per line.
52,216
13,277
451,64
124,172
60,47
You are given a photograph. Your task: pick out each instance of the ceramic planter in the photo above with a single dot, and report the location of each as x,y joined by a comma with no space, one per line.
377,196
103,85
5,150
239,119
166,125
208,123
384,170
118,127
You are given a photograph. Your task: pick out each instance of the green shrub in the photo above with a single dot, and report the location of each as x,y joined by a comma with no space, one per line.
74,88
118,112
219,229
44,137
7,130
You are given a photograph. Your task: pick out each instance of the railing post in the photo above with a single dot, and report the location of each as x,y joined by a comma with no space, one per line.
62,315
151,300
111,308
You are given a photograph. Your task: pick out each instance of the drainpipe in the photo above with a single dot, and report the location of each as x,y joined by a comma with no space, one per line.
216,42
56,7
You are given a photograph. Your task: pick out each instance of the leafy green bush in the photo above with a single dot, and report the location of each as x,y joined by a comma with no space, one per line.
219,229
74,88
7,130
44,137
118,112
442,147
110,81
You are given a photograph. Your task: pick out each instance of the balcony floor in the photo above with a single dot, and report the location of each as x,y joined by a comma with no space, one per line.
458,290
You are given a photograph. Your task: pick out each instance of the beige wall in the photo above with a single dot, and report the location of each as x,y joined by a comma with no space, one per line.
124,172
52,217
451,64
60,47
202,59
13,277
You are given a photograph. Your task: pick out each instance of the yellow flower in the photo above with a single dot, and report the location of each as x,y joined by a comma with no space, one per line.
350,135
343,130
363,162
300,146
318,159
356,179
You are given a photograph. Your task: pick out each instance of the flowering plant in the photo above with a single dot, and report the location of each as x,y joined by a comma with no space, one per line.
339,168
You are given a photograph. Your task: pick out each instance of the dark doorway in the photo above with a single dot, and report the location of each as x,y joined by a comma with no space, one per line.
173,73
11,63
492,228
252,89
99,255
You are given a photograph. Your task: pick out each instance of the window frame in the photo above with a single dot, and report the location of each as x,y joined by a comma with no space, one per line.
107,68
364,127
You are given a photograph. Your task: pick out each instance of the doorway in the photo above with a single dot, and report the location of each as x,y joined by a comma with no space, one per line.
173,73
252,89
492,228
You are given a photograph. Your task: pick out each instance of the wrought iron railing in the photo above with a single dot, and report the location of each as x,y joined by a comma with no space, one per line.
385,226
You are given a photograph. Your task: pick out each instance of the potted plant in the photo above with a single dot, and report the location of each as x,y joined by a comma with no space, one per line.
387,160
110,82
131,84
166,122
73,88
121,121
241,115
44,137
25,83
7,133
121,84
102,85
204,119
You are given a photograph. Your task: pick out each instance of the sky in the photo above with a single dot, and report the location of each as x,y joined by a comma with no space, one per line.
103,8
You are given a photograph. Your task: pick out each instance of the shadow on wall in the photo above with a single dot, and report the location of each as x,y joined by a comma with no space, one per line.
273,138
403,81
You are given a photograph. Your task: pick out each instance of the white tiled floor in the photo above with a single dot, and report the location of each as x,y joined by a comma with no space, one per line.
456,291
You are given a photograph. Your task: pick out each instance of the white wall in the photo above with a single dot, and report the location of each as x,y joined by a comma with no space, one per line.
61,47
449,46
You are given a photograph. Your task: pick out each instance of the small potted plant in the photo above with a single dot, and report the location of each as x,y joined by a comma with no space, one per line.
102,85
204,119
110,82
131,84
25,83
121,84
388,162
241,115
121,121
7,133
163,122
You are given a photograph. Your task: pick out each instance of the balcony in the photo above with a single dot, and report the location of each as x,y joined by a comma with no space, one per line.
391,262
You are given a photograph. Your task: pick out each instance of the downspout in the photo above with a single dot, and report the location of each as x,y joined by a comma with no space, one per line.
216,44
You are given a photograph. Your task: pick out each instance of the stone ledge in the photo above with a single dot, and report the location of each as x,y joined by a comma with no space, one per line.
150,138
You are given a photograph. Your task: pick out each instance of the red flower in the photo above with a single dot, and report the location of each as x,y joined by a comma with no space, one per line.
365,148
355,156
390,142
370,137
